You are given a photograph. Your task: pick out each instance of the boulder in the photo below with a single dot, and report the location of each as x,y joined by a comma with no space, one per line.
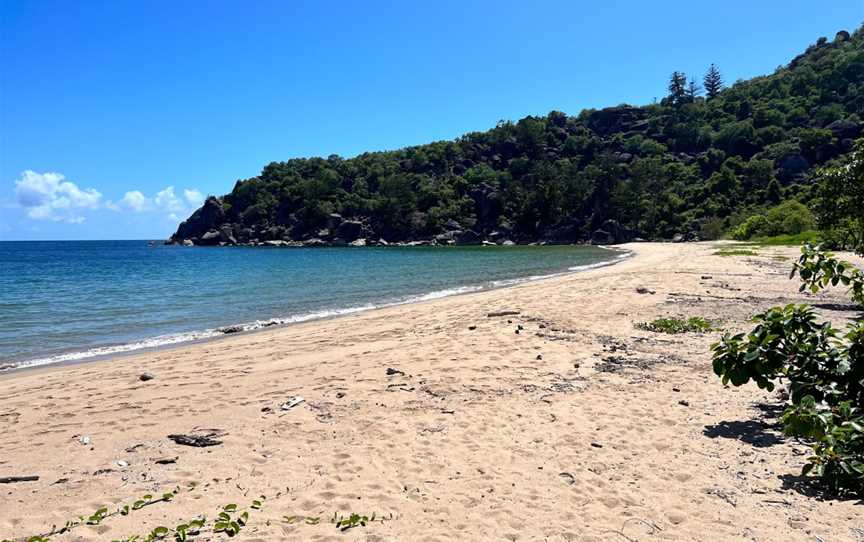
468,237
452,225
210,238
612,120
226,235
609,233
188,243
333,221
844,129
358,243
314,242
790,166
349,230
507,243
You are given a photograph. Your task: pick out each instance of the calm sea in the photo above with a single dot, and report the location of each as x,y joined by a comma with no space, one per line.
74,300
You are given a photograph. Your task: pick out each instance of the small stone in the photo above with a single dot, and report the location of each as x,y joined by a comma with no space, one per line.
166,460
145,377
682,402
596,445
676,389
391,372
122,464
472,328
84,439
340,394
539,356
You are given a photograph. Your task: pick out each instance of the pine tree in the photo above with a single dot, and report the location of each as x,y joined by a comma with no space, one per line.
693,90
713,82
677,88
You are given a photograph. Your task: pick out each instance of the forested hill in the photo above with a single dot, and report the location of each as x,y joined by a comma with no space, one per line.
694,165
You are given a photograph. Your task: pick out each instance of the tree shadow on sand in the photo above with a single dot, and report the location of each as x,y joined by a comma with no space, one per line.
756,432
815,489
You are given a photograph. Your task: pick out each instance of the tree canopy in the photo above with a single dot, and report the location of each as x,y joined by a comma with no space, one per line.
688,165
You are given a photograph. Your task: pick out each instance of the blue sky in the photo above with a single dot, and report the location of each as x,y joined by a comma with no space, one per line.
117,117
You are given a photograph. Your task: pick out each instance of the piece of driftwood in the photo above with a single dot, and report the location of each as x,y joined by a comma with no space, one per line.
197,441
16,479
503,313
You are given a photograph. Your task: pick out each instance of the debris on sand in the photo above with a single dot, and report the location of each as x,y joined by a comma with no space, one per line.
503,313
391,372
196,441
16,479
291,403
145,377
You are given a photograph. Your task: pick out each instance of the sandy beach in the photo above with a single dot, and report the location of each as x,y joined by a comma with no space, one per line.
561,422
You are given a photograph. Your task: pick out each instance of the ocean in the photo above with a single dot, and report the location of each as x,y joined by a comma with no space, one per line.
63,301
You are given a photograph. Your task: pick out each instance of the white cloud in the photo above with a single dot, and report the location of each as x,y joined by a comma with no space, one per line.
49,196
194,197
167,200
136,201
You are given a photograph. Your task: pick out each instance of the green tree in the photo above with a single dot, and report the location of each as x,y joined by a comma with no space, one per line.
713,82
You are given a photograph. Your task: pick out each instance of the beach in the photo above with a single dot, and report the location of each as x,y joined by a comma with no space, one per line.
558,421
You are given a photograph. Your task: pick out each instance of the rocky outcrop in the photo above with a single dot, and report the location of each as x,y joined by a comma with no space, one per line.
612,120
611,233
349,230
208,218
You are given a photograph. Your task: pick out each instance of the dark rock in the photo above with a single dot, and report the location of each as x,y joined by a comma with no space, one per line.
349,230
209,217
469,237
452,225
333,221
145,377
790,166
610,233
612,120
391,371
166,460
844,129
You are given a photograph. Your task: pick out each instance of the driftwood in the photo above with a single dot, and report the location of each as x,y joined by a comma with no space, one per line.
197,441
503,313
16,479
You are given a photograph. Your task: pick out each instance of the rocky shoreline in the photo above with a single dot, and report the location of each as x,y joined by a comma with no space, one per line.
208,227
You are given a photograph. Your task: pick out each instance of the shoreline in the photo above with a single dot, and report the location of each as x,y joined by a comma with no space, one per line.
231,330
562,422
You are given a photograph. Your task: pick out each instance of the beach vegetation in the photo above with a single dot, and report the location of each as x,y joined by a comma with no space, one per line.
821,367
693,324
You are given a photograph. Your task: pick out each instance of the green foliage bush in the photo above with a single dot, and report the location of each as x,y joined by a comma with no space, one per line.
840,201
823,369
788,218
694,324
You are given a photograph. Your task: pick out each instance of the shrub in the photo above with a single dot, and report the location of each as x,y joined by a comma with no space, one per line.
824,371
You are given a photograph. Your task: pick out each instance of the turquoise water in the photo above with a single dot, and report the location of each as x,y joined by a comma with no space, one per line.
75,300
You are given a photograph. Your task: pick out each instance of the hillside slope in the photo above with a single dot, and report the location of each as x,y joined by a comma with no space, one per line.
686,166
